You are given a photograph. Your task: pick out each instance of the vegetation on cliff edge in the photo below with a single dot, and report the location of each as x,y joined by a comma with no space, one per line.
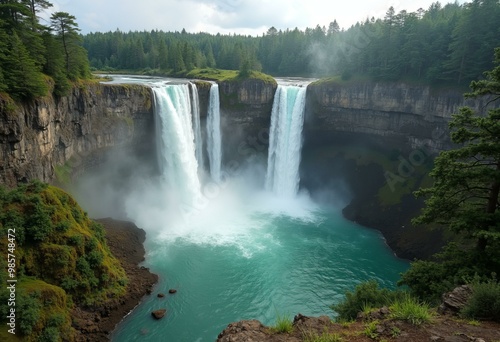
35,59
61,259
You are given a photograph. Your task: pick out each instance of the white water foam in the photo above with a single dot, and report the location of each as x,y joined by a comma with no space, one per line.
214,140
285,140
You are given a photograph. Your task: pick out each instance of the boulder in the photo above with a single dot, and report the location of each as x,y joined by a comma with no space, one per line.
454,301
158,314
172,291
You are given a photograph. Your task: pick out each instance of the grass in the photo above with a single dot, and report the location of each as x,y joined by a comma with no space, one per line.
226,75
283,324
312,336
411,310
395,332
371,329
474,322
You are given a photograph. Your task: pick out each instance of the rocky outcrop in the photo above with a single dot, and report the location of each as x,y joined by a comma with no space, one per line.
411,115
158,314
245,118
454,301
72,131
126,242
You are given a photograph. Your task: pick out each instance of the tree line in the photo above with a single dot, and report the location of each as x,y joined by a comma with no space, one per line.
36,59
443,44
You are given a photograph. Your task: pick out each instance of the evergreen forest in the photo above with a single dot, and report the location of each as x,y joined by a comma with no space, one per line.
450,44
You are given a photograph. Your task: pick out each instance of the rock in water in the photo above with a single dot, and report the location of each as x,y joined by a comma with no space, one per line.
161,295
172,291
158,314
455,300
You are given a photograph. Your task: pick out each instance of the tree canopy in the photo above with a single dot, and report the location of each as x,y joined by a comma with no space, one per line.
30,51
465,198
443,44
465,194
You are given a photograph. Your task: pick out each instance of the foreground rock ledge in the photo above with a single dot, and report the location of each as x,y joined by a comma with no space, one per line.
442,328
125,240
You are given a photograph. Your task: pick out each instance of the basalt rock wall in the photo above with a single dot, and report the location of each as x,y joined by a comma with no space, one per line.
73,132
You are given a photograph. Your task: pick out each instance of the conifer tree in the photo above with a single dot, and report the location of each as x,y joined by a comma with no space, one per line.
22,77
466,192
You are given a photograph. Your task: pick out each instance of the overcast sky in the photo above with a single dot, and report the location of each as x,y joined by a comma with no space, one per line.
252,17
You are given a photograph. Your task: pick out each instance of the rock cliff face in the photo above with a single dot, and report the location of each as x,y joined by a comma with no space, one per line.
377,141
245,118
411,115
38,137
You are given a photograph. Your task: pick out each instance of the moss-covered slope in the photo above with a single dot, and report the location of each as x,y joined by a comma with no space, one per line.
61,260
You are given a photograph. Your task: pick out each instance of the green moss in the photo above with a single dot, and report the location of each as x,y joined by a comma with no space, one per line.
65,260
63,173
8,105
129,121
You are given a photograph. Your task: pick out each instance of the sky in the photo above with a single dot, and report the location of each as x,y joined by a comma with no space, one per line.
248,17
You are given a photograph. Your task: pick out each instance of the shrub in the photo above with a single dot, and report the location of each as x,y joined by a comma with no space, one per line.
63,226
283,324
454,266
365,295
484,302
29,308
411,310
50,334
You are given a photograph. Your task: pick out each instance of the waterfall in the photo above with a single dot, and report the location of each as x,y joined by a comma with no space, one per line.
285,140
195,102
175,141
213,134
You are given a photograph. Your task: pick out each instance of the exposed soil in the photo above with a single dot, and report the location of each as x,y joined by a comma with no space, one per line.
125,241
442,328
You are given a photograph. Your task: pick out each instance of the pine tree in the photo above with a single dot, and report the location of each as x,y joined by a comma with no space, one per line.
22,77
67,30
465,194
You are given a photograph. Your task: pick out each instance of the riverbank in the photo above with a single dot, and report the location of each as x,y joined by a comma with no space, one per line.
125,240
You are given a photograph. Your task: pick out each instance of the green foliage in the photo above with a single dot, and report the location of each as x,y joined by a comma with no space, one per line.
370,329
395,332
366,294
28,309
28,50
466,198
283,324
58,243
465,194
395,47
454,266
50,334
484,302
22,77
411,310
312,336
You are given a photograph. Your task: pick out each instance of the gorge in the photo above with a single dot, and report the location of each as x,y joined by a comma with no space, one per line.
351,141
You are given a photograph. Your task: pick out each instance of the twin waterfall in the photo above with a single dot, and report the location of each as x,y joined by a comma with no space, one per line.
285,140
180,144
214,140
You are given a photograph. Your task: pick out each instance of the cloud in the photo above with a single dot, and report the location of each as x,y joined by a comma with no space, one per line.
225,16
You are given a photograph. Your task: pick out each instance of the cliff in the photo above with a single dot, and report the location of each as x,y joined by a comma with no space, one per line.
376,143
36,137
411,115
246,117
